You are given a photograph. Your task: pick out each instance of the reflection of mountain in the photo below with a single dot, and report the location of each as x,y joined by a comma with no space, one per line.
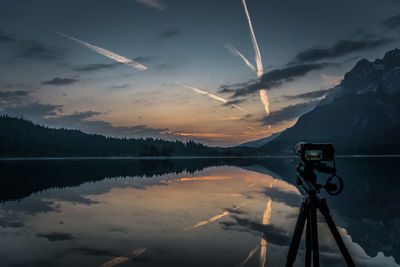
361,115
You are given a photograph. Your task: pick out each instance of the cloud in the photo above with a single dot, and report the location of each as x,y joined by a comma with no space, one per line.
13,94
59,81
37,50
339,49
33,110
273,79
80,120
144,59
289,113
6,38
121,86
392,22
170,33
96,67
93,251
56,236
308,95
152,3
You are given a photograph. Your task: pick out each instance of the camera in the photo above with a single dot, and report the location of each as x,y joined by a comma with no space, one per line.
314,152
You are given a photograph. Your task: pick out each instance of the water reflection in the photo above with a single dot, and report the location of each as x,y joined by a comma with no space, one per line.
90,212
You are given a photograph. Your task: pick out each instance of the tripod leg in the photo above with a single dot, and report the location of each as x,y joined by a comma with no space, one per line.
308,242
339,241
314,234
298,231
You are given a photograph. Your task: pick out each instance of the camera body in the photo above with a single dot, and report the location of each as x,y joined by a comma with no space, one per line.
315,152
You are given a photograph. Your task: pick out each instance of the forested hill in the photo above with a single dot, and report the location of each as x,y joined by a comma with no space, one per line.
22,138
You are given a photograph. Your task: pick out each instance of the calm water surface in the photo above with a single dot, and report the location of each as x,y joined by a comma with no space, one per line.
197,212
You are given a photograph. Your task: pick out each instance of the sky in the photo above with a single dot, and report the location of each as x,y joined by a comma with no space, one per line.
175,69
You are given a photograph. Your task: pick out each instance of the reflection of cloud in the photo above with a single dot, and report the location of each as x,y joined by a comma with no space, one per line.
214,218
56,236
271,233
123,258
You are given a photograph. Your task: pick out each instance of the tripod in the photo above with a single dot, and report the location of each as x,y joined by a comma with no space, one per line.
308,216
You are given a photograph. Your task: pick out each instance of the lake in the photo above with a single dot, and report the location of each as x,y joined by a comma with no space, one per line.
188,212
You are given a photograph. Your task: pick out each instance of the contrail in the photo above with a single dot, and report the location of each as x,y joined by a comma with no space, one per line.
214,218
123,258
236,52
260,68
248,257
106,53
220,99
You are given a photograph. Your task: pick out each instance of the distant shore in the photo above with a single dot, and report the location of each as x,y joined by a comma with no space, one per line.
186,157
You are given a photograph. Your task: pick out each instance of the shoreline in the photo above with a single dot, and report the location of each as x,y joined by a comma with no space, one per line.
185,157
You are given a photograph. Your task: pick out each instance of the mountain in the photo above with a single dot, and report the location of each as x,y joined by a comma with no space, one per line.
22,138
260,142
359,116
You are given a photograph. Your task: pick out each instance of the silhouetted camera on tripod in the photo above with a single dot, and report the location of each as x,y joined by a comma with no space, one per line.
315,157
321,158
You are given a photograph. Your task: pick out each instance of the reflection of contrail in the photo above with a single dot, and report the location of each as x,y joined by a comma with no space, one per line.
220,99
123,258
263,243
213,219
106,53
236,52
190,179
265,221
248,257
260,69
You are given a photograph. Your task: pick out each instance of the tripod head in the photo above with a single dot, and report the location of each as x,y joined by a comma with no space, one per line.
315,157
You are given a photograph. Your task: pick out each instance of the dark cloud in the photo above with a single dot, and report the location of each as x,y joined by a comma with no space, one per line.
392,22
308,95
234,102
60,81
271,233
6,38
33,110
13,94
144,59
56,236
121,86
170,33
37,50
292,199
339,49
93,251
289,113
6,223
273,79
96,67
